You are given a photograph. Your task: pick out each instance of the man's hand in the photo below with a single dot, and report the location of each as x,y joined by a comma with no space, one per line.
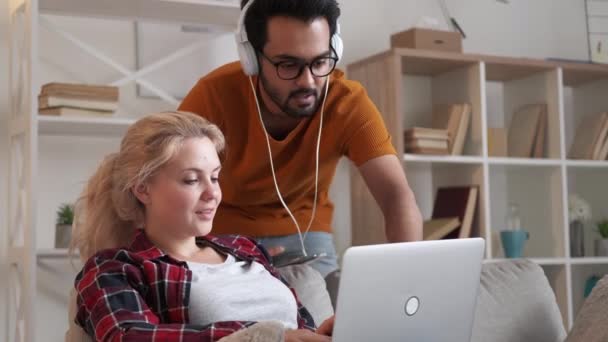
303,335
274,251
327,327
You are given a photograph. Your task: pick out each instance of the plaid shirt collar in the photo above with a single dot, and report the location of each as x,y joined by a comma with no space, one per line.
145,249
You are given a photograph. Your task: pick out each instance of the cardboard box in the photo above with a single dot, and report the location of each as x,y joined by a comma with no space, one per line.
426,39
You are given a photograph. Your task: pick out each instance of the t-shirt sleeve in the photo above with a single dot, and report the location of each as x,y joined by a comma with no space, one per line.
365,136
203,100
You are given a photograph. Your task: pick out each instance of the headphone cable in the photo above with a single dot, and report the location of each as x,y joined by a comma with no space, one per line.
314,207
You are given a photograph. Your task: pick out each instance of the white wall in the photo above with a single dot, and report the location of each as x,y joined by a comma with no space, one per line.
539,28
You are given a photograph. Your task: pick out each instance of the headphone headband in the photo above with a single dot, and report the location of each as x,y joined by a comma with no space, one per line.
247,55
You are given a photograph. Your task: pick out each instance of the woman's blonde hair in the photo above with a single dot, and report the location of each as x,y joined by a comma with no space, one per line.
107,213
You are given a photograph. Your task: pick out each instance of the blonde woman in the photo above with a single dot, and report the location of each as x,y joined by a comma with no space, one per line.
153,272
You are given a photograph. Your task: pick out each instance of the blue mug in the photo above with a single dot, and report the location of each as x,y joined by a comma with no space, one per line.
513,242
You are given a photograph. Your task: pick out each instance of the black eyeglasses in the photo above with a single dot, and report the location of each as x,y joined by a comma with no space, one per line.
292,69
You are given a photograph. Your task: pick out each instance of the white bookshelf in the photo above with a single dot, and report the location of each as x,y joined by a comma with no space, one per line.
207,12
79,127
405,84
53,253
50,158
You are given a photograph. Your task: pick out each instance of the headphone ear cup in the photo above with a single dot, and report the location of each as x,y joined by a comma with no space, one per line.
249,60
338,45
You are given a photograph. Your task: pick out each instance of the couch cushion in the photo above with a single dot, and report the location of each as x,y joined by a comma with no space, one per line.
311,290
516,303
591,323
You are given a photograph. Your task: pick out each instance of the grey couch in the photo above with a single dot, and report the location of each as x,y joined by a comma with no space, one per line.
515,304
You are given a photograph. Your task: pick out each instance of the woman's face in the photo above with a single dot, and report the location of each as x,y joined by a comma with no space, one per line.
183,196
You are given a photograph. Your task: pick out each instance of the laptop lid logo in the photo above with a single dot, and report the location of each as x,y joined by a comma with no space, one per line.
412,305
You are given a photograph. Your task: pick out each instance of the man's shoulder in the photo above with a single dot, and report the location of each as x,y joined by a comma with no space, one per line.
344,84
344,90
231,72
346,96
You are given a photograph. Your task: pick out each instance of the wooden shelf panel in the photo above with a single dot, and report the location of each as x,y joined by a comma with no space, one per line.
209,12
16,255
432,63
507,69
575,74
69,126
498,68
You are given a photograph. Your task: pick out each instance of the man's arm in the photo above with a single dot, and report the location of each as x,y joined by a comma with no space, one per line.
386,181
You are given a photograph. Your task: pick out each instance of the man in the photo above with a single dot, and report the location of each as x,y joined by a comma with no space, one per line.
272,122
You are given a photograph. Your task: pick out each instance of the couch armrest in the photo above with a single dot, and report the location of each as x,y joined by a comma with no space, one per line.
311,290
516,303
591,323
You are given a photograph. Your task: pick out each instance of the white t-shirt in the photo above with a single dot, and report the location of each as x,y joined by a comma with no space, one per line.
239,291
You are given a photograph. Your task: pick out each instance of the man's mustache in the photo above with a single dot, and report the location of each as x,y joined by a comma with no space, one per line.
303,92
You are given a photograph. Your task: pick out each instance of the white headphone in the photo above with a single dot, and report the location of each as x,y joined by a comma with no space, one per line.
247,55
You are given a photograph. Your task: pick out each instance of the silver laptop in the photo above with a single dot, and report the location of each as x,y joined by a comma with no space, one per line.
411,291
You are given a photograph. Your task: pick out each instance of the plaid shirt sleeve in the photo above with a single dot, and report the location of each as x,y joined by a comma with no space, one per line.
111,306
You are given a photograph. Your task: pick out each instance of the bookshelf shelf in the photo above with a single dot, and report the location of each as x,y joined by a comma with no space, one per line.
587,163
589,261
55,253
210,12
550,261
523,162
418,158
407,84
68,126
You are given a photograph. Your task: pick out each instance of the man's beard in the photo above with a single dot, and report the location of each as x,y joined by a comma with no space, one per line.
294,112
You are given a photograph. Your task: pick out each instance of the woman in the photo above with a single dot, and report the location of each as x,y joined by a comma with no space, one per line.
168,279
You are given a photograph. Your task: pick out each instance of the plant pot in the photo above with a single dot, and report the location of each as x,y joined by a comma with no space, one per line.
63,235
601,247
577,239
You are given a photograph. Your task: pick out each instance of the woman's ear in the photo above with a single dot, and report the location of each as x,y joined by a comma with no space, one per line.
141,192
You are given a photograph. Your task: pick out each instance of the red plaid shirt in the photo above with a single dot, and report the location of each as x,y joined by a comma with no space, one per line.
140,293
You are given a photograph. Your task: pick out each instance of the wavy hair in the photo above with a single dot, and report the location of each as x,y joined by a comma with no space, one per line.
107,213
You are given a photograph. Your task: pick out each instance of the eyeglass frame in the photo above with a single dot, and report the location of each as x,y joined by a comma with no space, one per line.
302,63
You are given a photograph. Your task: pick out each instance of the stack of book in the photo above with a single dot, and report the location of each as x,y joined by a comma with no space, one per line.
447,134
69,99
454,118
426,140
591,139
453,213
526,133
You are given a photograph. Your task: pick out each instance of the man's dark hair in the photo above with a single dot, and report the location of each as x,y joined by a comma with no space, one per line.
261,11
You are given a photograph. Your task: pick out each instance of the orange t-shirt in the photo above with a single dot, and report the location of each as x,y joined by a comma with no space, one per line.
352,127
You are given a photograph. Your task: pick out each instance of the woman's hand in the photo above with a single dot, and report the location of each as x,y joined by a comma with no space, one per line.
303,335
327,327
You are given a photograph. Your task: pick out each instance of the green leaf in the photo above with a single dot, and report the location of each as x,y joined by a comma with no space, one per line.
65,214
602,228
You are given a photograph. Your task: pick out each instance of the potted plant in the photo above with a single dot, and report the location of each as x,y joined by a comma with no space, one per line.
601,245
63,226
